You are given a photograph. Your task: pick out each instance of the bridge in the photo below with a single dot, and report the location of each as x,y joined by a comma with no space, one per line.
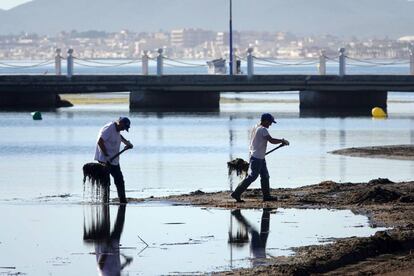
203,91
199,91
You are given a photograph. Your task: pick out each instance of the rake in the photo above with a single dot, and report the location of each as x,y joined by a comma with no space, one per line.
98,175
241,166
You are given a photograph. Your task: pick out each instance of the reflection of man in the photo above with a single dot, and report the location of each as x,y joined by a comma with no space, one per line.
258,240
108,255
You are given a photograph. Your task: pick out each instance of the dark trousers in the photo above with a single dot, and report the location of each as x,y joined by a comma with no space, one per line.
256,167
115,171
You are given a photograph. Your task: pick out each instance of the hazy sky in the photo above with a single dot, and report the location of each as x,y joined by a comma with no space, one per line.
8,4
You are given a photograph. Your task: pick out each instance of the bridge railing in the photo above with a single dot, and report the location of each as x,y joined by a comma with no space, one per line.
159,62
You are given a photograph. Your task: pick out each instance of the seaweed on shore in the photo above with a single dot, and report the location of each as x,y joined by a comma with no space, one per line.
375,195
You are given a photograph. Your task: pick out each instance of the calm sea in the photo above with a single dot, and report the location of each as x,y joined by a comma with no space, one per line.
182,152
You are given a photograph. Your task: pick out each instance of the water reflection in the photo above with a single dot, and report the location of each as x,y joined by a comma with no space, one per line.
412,141
231,147
160,157
258,239
342,144
322,146
97,231
166,149
333,113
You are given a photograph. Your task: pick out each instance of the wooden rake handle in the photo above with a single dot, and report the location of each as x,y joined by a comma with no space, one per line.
118,154
278,147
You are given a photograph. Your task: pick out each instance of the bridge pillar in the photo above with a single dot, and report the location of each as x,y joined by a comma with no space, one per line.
322,63
343,99
342,62
173,100
58,62
145,59
69,63
411,59
160,63
250,62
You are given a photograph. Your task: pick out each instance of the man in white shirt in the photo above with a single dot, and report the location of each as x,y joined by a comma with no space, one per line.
258,143
108,145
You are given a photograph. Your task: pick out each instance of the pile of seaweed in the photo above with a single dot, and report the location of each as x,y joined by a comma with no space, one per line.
348,251
239,166
97,175
381,190
376,195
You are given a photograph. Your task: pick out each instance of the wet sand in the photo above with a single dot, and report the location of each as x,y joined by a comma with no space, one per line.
399,152
387,204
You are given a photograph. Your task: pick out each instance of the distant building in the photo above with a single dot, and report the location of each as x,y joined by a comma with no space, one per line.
188,38
293,51
220,39
408,38
198,44
223,39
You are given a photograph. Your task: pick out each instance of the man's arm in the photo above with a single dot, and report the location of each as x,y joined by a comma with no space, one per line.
126,142
276,140
101,144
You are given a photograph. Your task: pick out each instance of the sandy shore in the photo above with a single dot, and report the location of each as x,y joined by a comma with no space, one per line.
85,99
400,152
384,202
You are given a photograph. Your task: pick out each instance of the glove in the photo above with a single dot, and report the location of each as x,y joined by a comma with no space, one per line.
129,145
285,142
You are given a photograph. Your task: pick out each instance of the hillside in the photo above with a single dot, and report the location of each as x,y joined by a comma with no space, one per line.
345,18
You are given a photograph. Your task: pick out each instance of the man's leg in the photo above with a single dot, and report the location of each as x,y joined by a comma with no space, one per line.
119,182
264,180
254,169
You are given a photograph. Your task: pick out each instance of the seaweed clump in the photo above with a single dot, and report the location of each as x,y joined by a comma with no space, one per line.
376,195
239,166
98,175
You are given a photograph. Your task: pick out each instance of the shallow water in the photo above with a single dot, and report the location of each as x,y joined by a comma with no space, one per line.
182,152
43,209
66,239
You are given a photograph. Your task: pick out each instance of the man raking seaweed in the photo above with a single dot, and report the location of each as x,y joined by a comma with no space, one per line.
107,154
258,143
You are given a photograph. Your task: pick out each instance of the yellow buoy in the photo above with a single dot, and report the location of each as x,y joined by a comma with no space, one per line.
378,112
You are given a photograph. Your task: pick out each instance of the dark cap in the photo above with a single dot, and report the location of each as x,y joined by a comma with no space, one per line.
268,117
126,122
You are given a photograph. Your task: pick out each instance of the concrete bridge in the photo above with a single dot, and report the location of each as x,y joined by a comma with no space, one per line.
203,91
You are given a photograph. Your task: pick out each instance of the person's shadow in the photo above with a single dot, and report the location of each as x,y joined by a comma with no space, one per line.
97,231
258,240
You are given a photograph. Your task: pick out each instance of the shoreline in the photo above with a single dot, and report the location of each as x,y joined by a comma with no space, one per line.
387,204
94,98
395,152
